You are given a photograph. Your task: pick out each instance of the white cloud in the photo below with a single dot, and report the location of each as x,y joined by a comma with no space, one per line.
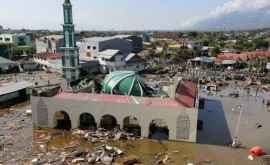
226,8
239,5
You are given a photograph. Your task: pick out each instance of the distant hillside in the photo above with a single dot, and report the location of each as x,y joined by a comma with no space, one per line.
239,20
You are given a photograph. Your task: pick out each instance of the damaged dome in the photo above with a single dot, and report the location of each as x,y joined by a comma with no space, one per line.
123,83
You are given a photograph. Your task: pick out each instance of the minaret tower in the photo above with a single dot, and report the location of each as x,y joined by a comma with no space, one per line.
70,59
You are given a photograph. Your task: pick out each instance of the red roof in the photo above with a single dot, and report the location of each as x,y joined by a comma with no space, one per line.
149,101
48,56
186,93
244,56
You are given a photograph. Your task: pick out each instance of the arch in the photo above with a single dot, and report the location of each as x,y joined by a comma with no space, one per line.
108,122
131,125
87,122
62,120
183,127
158,129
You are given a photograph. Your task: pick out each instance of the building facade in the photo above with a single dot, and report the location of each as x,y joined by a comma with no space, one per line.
176,117
49,44
181,121
113,53
16,39
90,48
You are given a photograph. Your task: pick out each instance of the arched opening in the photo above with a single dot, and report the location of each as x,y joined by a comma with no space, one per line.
62,120
182,127
108,122
159,130
131,125
87,122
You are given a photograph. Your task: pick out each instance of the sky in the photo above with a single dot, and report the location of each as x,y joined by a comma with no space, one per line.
117,14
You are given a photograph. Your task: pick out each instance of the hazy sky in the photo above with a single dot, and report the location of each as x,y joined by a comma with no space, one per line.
115,14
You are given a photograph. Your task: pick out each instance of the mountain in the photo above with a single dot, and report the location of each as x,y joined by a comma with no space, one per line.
237,20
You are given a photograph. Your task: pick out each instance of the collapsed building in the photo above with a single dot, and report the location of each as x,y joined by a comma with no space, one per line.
124,105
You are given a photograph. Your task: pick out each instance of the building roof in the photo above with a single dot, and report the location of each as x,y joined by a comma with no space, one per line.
100,39
123,36
130,56
148,101
244,56
13,87
48,56
108,53
6,61
51,37
186,93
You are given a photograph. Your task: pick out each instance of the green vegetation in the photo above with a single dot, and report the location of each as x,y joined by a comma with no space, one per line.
215,51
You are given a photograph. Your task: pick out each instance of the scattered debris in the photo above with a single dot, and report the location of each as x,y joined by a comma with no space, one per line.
28,112
250,157
256,151
103,136
130,160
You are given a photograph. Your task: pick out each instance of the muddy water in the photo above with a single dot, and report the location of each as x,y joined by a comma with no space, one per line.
180,153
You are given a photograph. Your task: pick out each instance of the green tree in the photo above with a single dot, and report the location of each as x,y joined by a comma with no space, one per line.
215,51
261,44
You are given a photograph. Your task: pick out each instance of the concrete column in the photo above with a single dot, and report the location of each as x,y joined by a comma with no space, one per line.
75,119
172,131
144,131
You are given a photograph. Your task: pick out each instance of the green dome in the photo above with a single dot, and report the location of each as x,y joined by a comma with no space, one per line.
123,83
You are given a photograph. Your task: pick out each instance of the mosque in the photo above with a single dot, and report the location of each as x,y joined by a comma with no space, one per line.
125,101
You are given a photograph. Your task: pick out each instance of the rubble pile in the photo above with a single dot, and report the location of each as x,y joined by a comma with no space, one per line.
15,137
164,157
104,136
103,154
73,153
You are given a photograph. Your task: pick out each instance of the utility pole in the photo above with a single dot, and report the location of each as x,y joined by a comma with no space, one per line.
236,142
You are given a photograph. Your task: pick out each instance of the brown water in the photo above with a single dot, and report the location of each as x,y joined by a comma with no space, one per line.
180,153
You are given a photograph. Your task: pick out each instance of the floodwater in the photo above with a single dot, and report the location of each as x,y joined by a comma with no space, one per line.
180,153
222,113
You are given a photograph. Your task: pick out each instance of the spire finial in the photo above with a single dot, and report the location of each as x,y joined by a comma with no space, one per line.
67,2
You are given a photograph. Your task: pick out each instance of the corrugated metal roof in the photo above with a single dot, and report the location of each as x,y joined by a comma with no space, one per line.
6,61
100,39
130,56
108,53
13,87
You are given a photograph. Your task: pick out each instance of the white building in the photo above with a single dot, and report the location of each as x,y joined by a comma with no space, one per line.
111,60
193,45
113,53
90,47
